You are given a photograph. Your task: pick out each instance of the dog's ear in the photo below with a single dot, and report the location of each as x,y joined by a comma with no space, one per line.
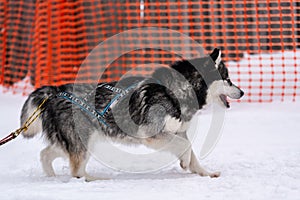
216,56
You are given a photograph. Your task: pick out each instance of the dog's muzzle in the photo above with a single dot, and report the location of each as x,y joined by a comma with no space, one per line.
234,93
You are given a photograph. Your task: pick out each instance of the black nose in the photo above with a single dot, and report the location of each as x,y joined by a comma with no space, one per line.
242,93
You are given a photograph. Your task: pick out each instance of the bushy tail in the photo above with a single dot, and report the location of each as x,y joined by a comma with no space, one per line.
30,105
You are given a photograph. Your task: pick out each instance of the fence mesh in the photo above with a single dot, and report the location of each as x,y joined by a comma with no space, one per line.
46,42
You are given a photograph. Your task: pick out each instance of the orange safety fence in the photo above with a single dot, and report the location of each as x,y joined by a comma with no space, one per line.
47,42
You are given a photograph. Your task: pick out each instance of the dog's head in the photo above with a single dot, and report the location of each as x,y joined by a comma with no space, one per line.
207,77
219,90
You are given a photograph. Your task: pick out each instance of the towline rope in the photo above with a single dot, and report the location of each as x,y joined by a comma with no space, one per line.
38,111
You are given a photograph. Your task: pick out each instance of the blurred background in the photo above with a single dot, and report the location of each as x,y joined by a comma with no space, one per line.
45,42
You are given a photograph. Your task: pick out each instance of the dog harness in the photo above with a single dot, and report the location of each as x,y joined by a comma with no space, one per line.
91,110
81,103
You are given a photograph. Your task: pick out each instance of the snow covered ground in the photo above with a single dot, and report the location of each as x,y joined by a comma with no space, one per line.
258,156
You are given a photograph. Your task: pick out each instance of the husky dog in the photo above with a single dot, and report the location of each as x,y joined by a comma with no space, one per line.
149,111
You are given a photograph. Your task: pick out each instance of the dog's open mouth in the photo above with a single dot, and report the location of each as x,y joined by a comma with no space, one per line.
224,100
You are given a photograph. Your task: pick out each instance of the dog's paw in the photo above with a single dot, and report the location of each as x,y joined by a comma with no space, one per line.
211,175
184,165
185,162
214,174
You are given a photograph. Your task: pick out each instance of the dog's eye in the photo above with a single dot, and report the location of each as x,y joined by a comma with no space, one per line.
229,82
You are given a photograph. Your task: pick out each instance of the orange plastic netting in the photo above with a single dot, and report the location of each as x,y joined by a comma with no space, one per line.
46,42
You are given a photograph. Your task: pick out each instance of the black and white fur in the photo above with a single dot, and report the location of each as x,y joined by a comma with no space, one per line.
160,109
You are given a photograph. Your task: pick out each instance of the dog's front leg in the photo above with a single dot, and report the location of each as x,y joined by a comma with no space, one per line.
174,143
182,147
196,168
185,158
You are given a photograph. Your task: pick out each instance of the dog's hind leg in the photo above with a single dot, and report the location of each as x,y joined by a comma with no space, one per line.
78,164
47,156
196,168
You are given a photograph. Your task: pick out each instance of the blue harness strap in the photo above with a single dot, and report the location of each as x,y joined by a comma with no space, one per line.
90,110
84,106
118,96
